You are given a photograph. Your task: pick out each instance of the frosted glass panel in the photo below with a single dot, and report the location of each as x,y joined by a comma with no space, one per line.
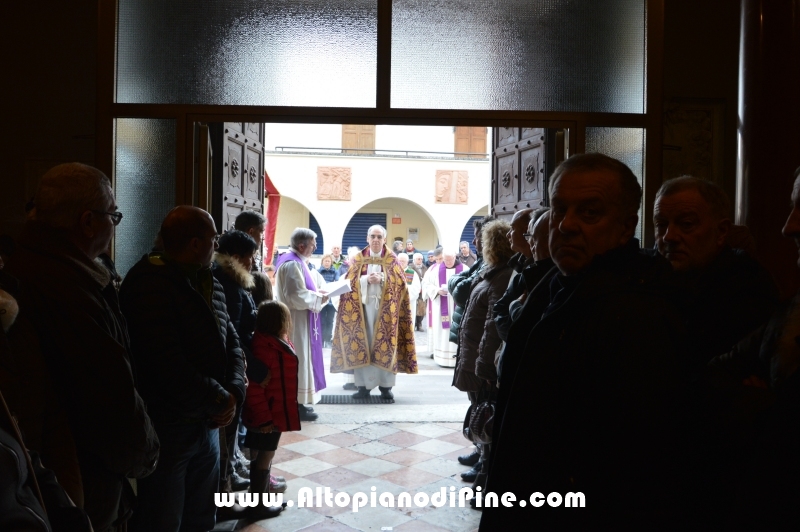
145,184
543,55
247,52
625,144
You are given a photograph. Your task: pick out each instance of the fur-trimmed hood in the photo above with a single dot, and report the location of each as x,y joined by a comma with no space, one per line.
237,272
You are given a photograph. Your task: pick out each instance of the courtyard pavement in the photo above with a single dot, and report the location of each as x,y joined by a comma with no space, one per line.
409,446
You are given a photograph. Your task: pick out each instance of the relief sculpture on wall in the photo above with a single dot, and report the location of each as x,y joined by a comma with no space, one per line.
333,183
452,186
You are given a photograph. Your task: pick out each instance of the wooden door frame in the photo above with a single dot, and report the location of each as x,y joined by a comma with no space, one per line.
187,115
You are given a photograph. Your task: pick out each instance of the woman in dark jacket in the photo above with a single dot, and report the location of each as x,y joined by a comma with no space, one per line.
232,264
478,339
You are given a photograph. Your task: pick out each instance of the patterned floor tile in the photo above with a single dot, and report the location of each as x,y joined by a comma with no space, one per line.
374,431
380,485
343,439
310,447
417,526
456,438
284,455
407,457
314,430
374,519
410,478
429,429
345,427
374,448
331,525
292,437
403,439
434,447
332,510
340,456
373,467
453,426
336,478
441,467
305,466
278,472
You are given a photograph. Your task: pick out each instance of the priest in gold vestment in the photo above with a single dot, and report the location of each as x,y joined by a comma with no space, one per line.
374,333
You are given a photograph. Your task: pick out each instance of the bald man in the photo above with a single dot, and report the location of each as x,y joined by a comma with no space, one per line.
190,368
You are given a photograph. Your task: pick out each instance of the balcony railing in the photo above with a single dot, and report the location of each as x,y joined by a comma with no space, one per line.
417,154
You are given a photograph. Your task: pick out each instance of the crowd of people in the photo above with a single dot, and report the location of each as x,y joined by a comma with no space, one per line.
660,383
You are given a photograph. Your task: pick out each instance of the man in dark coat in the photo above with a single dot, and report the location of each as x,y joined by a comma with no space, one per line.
72,304
727,293
191,370
591,410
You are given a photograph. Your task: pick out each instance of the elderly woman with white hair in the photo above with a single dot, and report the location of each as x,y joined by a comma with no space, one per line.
441,307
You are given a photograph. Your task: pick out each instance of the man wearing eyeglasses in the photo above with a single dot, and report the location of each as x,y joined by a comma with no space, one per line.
72,304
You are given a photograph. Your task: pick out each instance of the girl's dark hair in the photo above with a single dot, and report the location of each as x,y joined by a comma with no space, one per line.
237,243
274,318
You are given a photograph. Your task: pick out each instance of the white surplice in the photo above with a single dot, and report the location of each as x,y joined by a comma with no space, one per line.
290,289
444,351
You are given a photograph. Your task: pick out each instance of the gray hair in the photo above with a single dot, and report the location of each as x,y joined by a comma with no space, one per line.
448,252
418,255
382,228
710,192
400,255
67,191
463,243
301,235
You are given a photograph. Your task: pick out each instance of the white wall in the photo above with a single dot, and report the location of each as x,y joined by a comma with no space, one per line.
383,183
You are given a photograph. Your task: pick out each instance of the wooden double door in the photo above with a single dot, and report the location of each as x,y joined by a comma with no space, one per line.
522,160
237,170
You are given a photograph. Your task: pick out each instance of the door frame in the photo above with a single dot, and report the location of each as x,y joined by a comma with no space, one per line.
186,115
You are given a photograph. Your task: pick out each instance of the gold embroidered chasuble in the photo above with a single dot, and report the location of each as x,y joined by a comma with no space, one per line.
393,338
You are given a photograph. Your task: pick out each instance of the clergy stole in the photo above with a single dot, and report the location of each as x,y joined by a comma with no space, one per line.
314,324
443,306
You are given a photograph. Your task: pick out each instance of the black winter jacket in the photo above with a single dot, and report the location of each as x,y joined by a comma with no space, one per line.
237,283
460,286
603,370
187,352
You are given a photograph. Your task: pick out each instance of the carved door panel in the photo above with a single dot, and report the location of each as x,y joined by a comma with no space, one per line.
238,176
518,170
361,136
532,180
506,183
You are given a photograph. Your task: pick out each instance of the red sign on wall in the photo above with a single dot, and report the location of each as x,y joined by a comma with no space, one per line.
396,220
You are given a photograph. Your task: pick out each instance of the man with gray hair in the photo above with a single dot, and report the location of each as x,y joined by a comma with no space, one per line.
727,293
295,287
466,256
374,331
83,336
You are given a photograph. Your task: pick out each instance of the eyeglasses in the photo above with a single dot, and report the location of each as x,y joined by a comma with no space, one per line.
116,217
216,239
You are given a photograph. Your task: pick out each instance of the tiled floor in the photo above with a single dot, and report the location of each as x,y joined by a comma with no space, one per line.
392,457
409,446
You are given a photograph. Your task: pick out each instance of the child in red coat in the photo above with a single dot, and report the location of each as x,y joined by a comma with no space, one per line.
270,407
